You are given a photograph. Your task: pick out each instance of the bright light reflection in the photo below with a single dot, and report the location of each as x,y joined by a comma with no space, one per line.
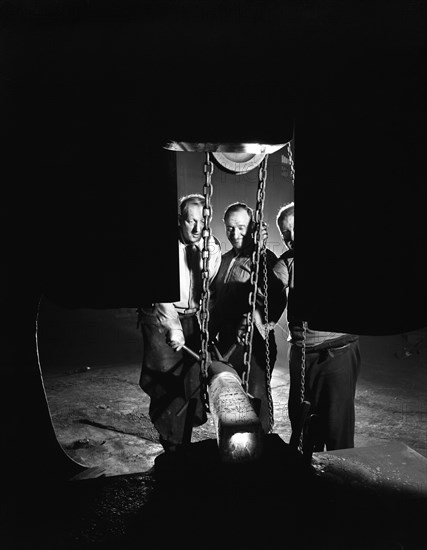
240,439
242,446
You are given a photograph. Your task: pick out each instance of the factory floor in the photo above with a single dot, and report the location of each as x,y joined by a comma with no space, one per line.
100,414
371,499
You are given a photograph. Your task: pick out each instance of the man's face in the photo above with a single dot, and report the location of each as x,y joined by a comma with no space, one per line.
287,230
191,224
238,228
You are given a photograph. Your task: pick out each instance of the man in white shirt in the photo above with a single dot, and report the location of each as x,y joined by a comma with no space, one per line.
169,375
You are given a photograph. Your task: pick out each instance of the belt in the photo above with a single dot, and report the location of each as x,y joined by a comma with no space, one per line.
320,348
342,347
188,311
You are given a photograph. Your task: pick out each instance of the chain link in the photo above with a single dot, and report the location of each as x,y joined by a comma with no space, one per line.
258,218
302,389
208,168
291,162
267,340
304,324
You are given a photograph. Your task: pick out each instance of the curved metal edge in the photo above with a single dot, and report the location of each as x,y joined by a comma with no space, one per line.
59,463
238,167
255,148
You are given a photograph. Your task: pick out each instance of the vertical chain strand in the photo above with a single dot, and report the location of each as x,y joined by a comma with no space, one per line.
267,341
302,389
291,162
258,218
204,305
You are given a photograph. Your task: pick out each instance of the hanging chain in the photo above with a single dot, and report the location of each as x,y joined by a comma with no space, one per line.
304,339
291,162
258,217
204,305
267,340
304,324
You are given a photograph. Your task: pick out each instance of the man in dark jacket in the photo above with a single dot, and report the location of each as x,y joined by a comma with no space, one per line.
230,306
332,365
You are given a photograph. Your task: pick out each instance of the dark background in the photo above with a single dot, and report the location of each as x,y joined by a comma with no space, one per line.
91,90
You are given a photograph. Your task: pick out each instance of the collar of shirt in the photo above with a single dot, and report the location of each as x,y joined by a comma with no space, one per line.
183,245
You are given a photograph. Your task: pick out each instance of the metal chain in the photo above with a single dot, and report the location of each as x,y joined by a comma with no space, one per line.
267,340
291,162
258,218
304,324
208,168
304,339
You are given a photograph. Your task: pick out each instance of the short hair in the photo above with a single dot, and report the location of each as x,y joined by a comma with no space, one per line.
192,198
235,207
284,213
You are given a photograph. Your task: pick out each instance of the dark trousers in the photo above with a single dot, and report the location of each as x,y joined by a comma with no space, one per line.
257,383
170,378
330,386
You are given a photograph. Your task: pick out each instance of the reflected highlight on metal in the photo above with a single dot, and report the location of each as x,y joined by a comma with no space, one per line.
238,163
230,147
238,428
242,446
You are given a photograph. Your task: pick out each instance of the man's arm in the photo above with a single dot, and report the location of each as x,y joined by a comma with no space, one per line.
277,284
279,271
277,276
168,318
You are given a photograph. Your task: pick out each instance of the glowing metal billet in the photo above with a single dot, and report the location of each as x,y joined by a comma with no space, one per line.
238,428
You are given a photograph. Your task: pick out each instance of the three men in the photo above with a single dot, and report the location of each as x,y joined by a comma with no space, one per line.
332,364
230,305
169,375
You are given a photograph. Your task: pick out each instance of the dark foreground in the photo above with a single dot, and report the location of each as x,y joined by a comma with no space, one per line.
372,499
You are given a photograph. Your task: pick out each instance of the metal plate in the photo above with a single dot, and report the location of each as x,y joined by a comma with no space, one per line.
252,148
239,163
